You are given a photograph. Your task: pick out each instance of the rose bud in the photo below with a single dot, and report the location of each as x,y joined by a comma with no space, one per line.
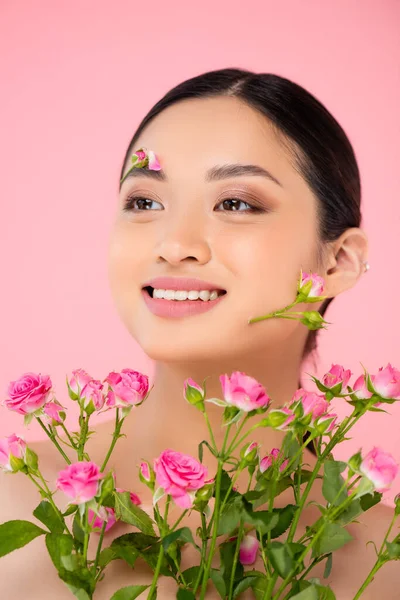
77,382
310,288
249,453
92,397
244,392
106,514
248,550
54,413
146,474
12,453
194,394
126,389
380,468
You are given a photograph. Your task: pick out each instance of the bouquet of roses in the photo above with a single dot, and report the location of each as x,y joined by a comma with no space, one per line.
238,525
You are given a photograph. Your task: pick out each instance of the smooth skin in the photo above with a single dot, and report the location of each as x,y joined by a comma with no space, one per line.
190,227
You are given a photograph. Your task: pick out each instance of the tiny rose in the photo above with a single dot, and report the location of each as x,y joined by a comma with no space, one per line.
77,382
267,461
313,404
179,475
92,396
279,418
387,382
80,481
310,287
134,497
249,453
194,394
126,389
29,393
12,446
248,550
106,514
360,388
244,392
326,423
380,468
337,377
54,412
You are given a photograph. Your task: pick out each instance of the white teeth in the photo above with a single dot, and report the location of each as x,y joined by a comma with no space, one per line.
204,295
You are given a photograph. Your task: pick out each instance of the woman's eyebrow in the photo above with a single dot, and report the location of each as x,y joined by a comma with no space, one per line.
214,174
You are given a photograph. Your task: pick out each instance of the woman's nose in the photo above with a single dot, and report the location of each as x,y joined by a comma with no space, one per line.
183,240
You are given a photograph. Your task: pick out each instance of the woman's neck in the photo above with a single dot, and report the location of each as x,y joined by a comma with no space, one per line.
167,420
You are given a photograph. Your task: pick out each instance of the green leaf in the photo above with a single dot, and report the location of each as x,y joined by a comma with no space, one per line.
259,587
332,486
131,513
353,511
281,558
185,594
190,575
129,593
328,566
262,519
183,534
60,547
310,593
393,550
243,585
285,516
218,581
130,546
265,485
16,534
230,516
333,537
79,593
227,553
200,449
70,510
106,556
369,500
305,475
77,528
45,513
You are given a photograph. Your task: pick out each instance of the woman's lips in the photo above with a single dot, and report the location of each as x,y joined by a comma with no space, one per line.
178,308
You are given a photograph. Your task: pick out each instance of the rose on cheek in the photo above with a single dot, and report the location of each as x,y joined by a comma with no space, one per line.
29,393
80,481
179,474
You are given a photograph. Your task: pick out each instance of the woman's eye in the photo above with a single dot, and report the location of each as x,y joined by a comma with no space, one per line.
233,204
138,204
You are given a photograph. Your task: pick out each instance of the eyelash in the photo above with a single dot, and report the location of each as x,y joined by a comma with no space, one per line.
130,200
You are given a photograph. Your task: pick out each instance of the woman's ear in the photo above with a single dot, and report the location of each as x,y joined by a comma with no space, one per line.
345,262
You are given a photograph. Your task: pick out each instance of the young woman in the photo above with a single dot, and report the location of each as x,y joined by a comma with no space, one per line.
257,181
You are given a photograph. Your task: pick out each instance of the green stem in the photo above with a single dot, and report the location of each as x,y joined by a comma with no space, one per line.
179,520
210,431
203,552
86,537
235,559
46,491
379,561
153,589
68,436
216,513
117,429
84,422
53,439
96,561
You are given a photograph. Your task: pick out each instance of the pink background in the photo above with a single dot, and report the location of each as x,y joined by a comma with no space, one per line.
77,77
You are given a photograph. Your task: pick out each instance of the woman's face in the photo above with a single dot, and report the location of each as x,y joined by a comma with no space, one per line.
246,234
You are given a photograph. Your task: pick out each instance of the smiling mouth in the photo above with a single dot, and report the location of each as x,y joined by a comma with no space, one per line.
184,295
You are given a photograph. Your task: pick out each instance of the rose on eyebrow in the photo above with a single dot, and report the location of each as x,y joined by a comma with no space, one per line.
143,158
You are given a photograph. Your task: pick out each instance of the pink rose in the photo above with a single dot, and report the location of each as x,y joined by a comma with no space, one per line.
314,404
387,382
92,395
12,445
244,392
106,514
80,481
179,474
78,380
248,550
326,423
313,283
126,388
337,374
54,412
379,467
269,459
29,393
360,388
